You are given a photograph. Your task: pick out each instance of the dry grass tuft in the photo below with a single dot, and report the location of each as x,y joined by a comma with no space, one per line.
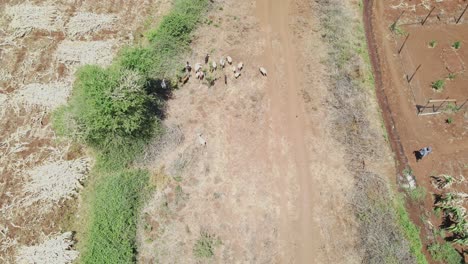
55,181
85,23
56,250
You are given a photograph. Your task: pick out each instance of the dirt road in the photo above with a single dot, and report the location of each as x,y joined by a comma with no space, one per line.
271,184
290,121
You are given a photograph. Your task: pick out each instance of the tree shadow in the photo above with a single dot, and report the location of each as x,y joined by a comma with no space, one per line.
162,92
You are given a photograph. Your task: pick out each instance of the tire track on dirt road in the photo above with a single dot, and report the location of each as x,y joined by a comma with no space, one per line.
303,225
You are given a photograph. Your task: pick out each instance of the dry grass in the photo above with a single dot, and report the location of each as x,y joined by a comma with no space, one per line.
38,17
55,181
84,23
381,222
49,95
38,59
78,53
54,250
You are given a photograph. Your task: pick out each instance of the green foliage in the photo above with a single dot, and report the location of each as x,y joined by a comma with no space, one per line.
444,253
395,28
408,171
111,105
113,110
449,120
432,44
410,230
438,85
451,108
137,59
172,38
418,194
204,247
451,76
456,45
61,121
114,211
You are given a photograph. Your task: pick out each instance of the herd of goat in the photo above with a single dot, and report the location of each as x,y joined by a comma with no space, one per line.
200,74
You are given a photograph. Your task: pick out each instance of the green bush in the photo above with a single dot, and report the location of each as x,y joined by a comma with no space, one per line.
444,253
438,85
137,59
205,245
432,44
172,38
111,105
410,230
456,45
113,217
418,194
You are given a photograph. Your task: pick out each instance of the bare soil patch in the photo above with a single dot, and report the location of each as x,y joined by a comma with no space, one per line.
447,138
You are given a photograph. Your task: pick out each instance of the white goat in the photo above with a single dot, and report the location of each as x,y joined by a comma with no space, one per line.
237,75
198,67
240,66
200,75
222,62
201,140
229,59
263,71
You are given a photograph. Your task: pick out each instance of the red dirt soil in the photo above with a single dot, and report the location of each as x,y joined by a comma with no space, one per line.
398,99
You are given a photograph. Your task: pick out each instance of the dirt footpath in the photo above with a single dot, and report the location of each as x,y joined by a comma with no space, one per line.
270,186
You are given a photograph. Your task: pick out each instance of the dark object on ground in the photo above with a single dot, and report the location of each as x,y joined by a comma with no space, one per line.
422,153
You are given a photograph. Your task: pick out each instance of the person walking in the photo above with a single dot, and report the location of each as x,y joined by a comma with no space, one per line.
420,154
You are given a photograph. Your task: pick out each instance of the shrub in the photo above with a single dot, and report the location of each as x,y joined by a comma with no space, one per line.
438,85
111,105
451,108
114,209
204,247
172,37
137,59
410,230
456,45
449,120
445,253
418,194
432,44
395,28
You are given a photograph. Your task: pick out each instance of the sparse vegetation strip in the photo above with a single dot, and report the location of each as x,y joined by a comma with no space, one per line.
115,111
378,211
